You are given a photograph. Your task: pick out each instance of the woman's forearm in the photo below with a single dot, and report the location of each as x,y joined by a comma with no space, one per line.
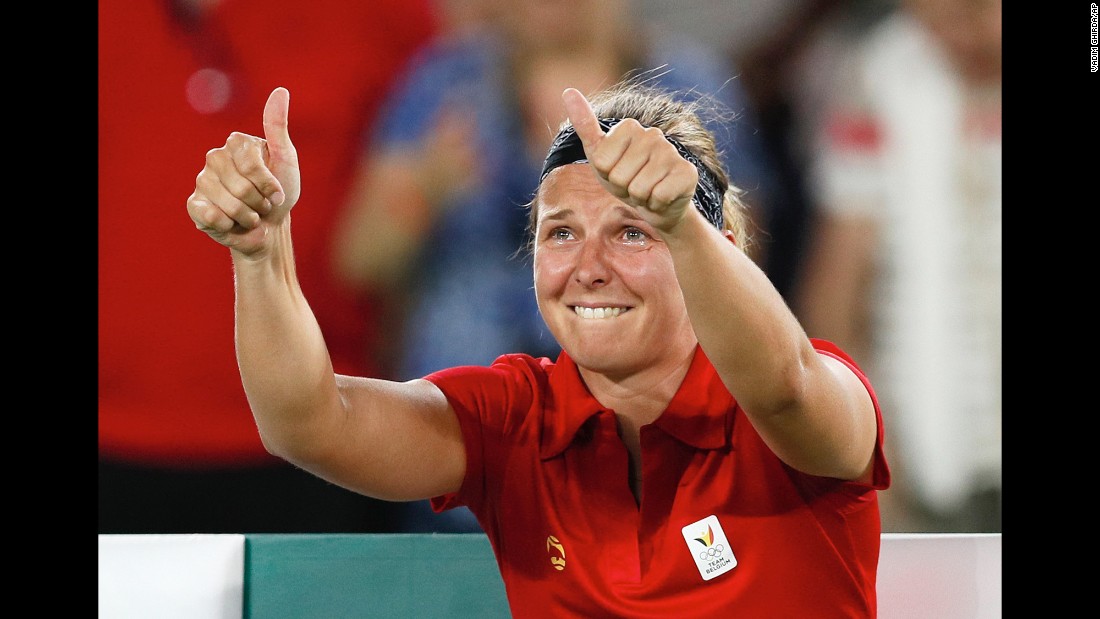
284,363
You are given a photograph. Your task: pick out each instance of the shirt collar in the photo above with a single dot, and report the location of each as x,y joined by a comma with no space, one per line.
700,414
568,405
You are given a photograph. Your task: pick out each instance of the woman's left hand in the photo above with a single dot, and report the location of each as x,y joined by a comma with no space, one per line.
636,164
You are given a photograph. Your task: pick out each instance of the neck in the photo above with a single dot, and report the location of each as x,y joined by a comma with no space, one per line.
639,398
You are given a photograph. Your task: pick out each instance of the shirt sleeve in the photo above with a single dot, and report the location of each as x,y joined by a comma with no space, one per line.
492,405
880,477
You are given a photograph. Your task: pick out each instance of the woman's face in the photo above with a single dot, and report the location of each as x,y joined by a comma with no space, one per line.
604,280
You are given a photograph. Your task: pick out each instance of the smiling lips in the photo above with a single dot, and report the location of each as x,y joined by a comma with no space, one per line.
599,312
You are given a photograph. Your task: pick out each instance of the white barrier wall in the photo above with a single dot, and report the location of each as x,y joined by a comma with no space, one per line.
171,576
920,576
941,576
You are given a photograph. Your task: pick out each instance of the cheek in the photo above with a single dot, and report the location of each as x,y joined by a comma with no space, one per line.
551,271
656,280
650,268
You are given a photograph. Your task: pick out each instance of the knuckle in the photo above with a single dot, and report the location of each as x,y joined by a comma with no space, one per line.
202,216
619,177
252,165
661,195
603,160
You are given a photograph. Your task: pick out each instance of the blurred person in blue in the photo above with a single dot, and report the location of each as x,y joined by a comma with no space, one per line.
437,215
904,264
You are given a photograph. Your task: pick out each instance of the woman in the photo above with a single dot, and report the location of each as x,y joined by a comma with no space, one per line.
690,451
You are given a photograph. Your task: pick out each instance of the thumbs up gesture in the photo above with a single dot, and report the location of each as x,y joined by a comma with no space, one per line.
248,186
636,164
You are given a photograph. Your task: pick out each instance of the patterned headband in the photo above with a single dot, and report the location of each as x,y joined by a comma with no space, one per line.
567,148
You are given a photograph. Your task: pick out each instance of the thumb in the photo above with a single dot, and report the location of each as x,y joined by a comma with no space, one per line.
282,157
583,118
275,125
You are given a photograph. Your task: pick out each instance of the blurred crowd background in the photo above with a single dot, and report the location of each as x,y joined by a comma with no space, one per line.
866,133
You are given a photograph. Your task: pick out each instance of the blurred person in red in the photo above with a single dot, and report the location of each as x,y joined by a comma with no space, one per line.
178,448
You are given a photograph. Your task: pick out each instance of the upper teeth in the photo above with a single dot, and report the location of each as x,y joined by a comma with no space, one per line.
597,312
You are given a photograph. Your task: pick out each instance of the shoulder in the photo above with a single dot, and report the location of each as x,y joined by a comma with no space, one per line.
830,349
512,383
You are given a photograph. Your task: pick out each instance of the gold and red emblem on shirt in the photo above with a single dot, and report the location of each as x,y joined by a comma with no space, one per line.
556,551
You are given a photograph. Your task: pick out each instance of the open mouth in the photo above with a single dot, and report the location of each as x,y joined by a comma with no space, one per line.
597,313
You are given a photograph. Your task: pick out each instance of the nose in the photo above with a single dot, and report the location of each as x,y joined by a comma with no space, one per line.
592,269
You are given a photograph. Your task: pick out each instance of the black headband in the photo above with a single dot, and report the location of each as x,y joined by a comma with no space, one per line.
567,148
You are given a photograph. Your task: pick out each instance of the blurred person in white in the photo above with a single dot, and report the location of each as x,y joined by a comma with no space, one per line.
903,267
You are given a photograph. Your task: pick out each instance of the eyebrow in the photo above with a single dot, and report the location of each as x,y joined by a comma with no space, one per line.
557,214
564,213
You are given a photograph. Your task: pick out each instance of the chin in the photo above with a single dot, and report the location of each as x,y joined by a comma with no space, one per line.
597,358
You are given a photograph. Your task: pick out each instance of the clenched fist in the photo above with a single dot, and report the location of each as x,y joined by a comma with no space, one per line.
636,164
248,186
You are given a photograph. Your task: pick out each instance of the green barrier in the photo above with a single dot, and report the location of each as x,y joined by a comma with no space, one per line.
337,576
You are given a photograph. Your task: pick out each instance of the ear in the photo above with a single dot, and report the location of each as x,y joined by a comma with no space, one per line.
729,235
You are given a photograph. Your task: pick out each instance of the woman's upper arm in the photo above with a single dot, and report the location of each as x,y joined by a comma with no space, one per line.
832,429
853,421
398,441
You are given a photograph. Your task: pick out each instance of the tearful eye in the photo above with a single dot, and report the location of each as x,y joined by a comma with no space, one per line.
634,235
560,234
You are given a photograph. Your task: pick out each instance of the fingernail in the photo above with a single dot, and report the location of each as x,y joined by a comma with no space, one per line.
277,198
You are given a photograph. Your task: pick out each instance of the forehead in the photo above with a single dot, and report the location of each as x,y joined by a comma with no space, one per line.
574,188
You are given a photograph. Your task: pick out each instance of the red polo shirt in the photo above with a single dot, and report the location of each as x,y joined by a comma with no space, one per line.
547,478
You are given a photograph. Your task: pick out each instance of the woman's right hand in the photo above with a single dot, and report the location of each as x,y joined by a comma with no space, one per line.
248,186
